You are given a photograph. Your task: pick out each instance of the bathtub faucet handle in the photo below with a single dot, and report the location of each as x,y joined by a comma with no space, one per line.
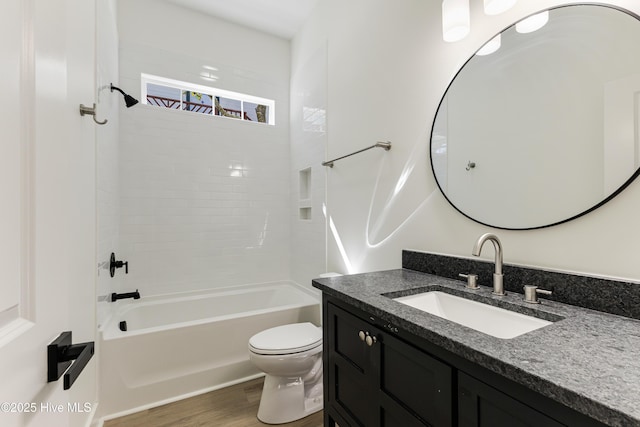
113,264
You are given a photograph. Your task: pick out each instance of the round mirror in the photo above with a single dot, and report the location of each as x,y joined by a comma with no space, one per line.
545,128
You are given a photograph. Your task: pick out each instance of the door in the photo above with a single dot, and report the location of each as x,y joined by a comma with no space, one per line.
47,206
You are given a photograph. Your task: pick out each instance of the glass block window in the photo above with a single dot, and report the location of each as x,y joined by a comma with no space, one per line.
179,95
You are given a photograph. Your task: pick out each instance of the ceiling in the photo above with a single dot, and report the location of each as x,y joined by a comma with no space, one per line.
282,18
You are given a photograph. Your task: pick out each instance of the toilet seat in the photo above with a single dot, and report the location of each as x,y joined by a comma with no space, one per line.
286,339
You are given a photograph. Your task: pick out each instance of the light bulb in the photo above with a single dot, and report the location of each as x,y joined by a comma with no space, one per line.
490,46
456,20
533,23
495,7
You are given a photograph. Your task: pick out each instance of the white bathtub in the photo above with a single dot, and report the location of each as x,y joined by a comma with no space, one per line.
185,344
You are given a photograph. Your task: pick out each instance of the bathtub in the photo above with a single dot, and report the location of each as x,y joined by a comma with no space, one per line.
181,345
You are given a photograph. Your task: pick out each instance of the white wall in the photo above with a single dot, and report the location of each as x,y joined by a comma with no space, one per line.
107,152
387,70
308,145
187,221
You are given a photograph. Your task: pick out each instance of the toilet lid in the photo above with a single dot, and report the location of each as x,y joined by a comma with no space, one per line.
286,339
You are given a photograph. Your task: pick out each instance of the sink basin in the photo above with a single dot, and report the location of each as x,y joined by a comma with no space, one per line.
485,318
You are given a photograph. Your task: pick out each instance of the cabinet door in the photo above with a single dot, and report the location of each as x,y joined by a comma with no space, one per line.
393,414
480,405
383,381
417,381
353,368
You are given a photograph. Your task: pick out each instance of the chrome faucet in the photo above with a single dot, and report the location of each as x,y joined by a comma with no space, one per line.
498,287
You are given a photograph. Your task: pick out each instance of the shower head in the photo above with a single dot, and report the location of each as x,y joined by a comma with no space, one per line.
129,100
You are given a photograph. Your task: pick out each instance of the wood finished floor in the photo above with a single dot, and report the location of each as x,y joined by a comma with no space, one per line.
234,406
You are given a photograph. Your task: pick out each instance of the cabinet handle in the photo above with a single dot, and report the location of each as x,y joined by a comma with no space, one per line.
371,340
362,335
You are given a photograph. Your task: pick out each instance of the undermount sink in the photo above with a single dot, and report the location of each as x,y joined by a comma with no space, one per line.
485,318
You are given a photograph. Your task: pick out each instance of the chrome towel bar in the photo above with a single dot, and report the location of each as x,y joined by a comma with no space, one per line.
385,145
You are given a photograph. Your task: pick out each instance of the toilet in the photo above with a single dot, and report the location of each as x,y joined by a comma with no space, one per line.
291,358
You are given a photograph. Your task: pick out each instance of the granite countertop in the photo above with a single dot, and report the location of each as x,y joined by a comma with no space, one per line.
588,361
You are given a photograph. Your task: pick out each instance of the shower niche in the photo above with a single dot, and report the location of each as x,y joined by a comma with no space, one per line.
304,195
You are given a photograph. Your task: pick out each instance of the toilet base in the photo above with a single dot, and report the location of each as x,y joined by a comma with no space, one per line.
288,399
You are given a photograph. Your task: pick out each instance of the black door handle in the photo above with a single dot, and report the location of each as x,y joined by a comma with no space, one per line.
61,354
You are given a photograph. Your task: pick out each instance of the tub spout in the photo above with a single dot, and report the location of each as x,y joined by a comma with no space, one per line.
134,295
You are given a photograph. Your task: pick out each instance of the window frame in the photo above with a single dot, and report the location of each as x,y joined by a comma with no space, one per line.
211,91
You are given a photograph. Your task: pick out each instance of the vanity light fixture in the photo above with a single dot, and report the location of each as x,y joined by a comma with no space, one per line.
533,23
456,20
491,46
496,7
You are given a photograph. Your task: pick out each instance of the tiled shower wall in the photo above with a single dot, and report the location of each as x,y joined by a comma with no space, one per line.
107,152
204,201
308,145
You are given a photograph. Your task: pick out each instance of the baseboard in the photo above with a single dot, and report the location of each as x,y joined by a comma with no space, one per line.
100,422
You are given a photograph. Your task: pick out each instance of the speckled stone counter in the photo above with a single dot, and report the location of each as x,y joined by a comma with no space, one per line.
597,293
588,361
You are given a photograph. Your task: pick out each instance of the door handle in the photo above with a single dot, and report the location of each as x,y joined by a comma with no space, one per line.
61,354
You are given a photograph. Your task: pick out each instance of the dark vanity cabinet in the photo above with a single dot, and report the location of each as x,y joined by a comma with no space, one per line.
378,376
480,405
374,379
